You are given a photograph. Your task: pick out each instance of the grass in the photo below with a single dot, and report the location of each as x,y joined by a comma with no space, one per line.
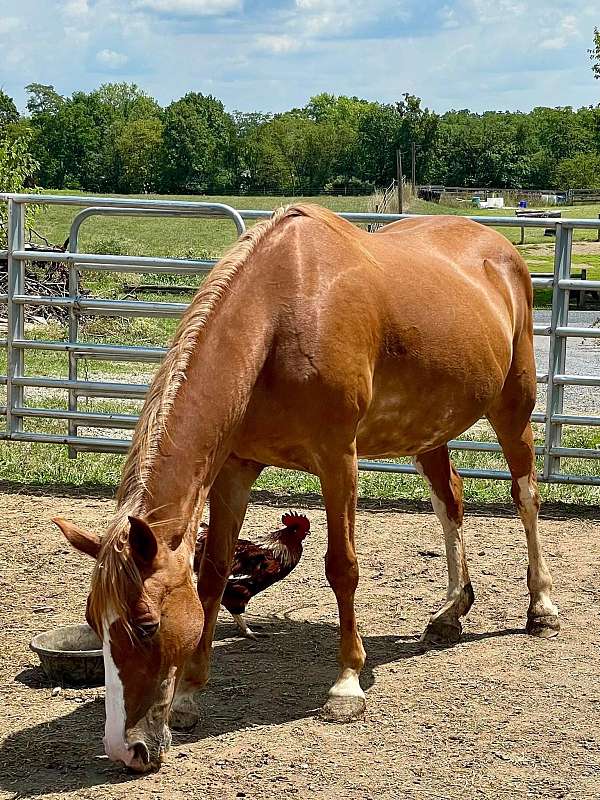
173,237
202,238
49,465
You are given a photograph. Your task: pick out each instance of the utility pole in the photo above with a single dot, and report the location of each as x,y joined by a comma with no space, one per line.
414,180
399,179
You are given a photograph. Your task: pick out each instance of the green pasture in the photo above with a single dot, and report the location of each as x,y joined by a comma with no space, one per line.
49,465
183,237
169,236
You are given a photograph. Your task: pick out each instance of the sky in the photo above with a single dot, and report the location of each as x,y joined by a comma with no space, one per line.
265,55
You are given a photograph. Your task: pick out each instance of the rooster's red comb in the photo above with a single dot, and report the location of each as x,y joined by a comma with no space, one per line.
293,520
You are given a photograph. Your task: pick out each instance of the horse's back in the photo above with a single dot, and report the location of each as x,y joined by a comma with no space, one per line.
408,332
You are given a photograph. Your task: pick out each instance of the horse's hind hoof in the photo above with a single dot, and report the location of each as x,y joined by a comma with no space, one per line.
343,709
546,627
441,634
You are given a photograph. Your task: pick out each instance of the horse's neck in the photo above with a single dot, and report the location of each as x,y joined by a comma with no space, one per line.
211,402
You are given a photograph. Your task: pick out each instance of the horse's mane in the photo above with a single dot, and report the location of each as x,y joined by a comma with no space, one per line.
115,571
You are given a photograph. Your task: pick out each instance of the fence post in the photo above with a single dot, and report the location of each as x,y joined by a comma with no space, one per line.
73,358
558,347
16,315
400,180
599,229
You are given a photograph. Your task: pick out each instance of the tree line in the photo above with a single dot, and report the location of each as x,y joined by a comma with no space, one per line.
119,139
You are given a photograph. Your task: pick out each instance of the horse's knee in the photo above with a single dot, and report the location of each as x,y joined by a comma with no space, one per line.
525,495
341,571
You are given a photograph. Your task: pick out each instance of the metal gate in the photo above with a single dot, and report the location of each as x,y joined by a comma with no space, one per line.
17,381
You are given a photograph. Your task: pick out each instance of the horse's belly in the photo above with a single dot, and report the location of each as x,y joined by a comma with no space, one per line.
388,434
409,414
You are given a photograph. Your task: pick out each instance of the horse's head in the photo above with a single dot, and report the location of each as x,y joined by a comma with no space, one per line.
144,606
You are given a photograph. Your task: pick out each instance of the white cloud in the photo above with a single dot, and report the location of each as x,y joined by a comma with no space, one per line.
328,17
502,54
320,19
564,32
447,16
189,7
278,44
315,5
499,11
76,36
555,43
9,24
76,8
111,59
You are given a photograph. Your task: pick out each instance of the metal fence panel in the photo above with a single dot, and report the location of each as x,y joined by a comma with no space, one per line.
16,381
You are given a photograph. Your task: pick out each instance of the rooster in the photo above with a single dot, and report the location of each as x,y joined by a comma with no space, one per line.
256,566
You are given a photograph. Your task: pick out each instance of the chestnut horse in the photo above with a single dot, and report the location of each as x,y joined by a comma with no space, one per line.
311,343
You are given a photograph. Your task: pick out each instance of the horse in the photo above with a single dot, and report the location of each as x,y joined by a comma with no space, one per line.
311,343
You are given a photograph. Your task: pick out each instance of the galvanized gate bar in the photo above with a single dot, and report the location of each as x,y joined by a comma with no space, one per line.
93,261
199,209
558,330
16,316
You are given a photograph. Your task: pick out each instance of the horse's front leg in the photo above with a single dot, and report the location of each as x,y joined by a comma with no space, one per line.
338,482
228,500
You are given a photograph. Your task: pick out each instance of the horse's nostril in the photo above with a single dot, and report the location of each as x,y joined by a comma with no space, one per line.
141,753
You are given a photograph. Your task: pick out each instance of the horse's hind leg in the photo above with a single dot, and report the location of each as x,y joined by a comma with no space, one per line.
510,418
445,485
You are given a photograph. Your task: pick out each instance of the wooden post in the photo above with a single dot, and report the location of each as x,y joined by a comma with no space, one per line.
414,172
399,179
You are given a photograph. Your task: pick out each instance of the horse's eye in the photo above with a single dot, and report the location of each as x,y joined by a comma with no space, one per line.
146,630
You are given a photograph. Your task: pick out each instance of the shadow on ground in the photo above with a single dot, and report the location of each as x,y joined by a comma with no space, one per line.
279,679
305,501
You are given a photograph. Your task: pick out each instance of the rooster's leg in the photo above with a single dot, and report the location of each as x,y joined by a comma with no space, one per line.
243,627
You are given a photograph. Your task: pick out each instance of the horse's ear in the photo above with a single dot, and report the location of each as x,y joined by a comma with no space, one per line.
85,542
142,541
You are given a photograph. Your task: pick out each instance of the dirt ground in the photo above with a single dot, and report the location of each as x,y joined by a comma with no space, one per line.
501,715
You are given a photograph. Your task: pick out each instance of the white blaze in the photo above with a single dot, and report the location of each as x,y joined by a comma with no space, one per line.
115,745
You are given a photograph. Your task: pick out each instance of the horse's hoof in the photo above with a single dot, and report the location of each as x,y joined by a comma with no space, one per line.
546,627
441,634
343,709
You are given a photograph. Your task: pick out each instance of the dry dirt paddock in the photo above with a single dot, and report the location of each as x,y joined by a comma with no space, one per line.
499,716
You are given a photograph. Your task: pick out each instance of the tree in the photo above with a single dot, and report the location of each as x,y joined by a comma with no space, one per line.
8,112
17,173
200,148
579,172
126,101
120,104
419,127
379,136
595,54
265,165
43,99
139,146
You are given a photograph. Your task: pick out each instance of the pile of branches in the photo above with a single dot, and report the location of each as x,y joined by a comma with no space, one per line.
42,278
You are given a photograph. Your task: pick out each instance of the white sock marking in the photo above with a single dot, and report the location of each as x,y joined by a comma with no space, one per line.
347,685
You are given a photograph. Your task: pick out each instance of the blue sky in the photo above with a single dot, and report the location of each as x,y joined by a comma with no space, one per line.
270,56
